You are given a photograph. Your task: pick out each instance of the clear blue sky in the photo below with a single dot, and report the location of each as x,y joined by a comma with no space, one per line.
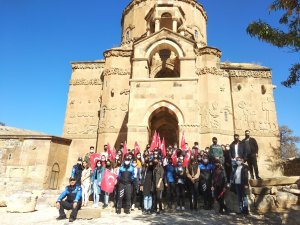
39,39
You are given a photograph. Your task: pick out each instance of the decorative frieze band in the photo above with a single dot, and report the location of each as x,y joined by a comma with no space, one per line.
116,71
85,82
117,53
233,73
250,73
83,66
209,51
211,70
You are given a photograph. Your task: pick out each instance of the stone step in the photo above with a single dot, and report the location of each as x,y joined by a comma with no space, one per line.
87,213
275,181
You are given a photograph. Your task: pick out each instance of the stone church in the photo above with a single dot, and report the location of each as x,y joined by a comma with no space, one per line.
165,77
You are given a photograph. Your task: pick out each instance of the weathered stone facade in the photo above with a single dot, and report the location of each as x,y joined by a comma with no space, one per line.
165,77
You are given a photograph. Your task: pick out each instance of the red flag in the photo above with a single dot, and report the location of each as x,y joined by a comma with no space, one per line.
183,142
163,148
93,159
154,142
111,153
174,158
158,142
136,148
108,181
125,150
186,158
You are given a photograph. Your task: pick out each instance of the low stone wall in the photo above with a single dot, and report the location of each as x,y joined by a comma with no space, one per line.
275,194
291,167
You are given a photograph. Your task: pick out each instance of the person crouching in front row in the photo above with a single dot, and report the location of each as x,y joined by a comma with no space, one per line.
73,201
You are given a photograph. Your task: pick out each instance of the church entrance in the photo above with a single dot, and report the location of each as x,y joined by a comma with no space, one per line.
165,122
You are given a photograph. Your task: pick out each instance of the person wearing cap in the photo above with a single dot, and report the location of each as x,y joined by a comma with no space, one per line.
219,186
77,171
180,177
125,180
72,195
88,155
251,147
206,169
215,151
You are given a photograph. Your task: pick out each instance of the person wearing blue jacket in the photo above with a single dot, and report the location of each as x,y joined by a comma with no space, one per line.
96,181
170,182
206,169
77,171
73,201
125,180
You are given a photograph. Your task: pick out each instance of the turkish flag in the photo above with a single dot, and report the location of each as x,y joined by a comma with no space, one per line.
125,150
163,148
183,142
109,181
154,142
186,158
111,153
174,158
93,159
136,148
158,142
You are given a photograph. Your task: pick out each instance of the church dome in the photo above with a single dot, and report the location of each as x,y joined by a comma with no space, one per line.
144,17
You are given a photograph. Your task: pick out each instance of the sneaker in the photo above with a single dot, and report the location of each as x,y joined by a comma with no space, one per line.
132,207
258,178
178,208
61,217
104,206
95,206
182,208
118,211
71,219
145,212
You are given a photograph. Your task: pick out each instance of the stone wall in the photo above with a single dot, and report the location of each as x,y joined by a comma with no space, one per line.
291,167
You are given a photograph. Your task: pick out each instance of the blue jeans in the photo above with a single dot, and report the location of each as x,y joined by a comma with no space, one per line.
242,198
97,192
147,202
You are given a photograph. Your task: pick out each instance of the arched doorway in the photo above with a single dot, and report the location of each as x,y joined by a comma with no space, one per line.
165,122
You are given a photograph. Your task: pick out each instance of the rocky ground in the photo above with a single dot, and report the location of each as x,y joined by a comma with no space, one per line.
46,216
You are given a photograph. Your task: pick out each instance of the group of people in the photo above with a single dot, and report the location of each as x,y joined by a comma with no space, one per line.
176,173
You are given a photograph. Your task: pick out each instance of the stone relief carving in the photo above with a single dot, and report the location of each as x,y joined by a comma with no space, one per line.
210,70
268,106
249,73
118,53
116,71
83,81
81,129
83,66
125,92
208,51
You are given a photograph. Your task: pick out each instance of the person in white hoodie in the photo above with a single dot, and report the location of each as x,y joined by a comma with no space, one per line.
86,183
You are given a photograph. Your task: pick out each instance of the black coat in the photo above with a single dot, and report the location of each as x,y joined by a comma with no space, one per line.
244,176
253,146
241,150
147,180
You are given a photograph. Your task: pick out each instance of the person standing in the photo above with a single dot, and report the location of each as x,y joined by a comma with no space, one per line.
109,167
125,178
219,185
241,185
72,193
215,151
96,181
158,175
251,147
87,155
77,171
170,182
86,183
147,185
193,173
180,176
227,163
237,149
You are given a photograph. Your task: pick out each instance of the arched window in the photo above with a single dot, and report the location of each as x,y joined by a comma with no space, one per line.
166,21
